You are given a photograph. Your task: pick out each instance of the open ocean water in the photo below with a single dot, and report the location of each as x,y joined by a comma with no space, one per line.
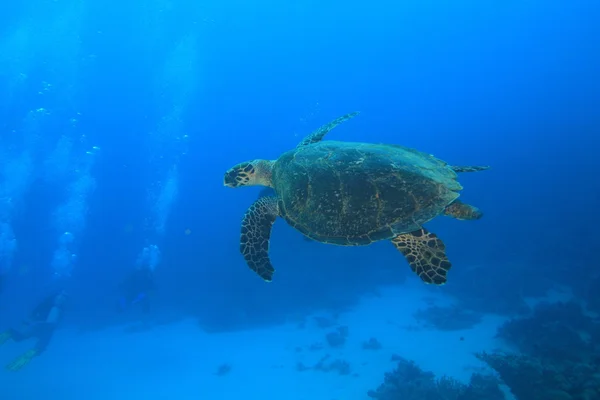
121,266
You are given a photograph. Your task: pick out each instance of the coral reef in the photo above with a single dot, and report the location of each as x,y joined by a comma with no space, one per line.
530,378
500,289
371,344
409,382
338,337
559,354
447,318
555,332
324,322
341,366
590,293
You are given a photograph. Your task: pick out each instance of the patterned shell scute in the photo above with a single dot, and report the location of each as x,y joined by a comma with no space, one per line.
356,193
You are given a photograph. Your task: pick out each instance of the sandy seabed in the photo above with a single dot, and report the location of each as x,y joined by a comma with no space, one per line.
180,361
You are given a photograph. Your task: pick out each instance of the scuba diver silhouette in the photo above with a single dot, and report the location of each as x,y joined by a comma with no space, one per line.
40,324
136,289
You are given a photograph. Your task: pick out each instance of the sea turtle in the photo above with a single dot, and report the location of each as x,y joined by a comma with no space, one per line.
353,194
266,192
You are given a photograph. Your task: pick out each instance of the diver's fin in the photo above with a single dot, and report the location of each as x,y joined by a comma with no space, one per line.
22,360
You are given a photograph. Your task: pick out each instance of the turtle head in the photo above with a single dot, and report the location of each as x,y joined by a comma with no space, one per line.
249,173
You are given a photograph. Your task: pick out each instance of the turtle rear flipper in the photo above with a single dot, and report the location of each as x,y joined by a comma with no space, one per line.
320,133
469,168
426,255
256,233
459,210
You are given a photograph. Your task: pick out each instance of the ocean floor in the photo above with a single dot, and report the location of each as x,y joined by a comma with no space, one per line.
180,361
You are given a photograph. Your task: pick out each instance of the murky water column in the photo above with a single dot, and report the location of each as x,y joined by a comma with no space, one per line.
15,181
46,42
168,142
17,58
39,64
69,166
70,216
17,172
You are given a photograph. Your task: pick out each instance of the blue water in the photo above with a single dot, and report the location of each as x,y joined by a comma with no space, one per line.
119,119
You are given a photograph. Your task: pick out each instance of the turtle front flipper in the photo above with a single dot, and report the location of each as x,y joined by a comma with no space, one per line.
320,133
256,233
468,168
459,210
426,255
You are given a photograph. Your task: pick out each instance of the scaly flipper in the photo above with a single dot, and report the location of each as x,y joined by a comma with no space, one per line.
320,133
468,168
256,232
459,210
426,255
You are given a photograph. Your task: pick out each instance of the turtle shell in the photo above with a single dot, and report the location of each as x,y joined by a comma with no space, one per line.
356,193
